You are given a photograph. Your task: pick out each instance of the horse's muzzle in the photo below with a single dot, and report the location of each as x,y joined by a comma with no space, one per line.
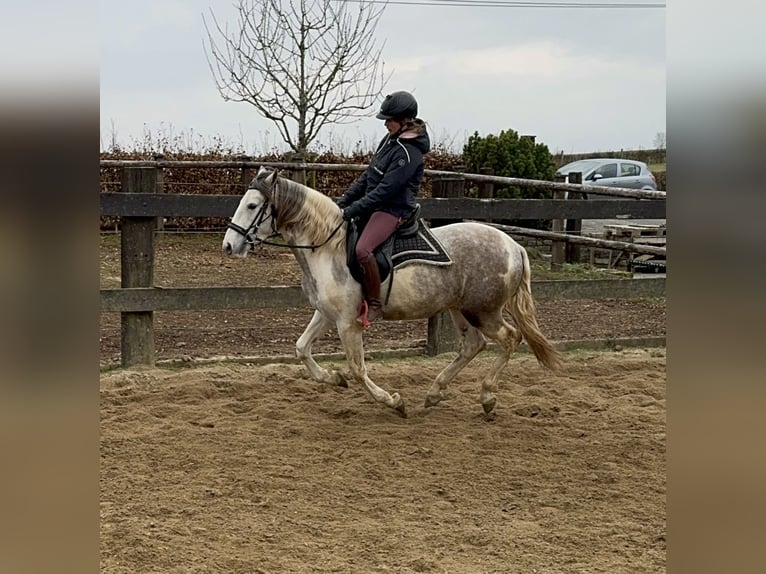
235,248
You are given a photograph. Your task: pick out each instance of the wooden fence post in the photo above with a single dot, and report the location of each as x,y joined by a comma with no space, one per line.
246,175
298,175
441,331
442,335
160,188
557,226
487,188
574,226
447,186
137,269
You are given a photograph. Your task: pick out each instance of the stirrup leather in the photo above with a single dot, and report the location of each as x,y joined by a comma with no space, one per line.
362,314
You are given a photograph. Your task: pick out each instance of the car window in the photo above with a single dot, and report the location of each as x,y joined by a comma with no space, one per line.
583,166
629,170
608,170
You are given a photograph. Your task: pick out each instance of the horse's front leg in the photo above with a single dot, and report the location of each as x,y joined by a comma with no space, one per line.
317,327
351,337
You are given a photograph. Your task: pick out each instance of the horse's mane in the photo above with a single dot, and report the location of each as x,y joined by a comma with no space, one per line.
296,204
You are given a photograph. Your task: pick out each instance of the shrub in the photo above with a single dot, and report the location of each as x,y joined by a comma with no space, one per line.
511,155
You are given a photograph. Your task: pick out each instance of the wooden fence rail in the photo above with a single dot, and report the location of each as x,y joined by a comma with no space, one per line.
475,177
145,299
140,207
197,205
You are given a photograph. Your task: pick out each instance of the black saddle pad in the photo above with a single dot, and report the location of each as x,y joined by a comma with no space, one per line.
422,247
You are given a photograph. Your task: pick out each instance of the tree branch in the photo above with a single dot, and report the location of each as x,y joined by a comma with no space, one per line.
303,64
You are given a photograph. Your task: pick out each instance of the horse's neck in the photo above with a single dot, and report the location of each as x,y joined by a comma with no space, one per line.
313,262
301,237
295,236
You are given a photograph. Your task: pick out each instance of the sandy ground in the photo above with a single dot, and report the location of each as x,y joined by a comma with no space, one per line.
240,468
236,468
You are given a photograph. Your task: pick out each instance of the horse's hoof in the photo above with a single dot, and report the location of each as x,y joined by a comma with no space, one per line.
398,405
489,405
339,380
432,400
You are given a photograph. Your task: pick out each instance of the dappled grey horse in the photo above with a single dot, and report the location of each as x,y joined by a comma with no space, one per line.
489,275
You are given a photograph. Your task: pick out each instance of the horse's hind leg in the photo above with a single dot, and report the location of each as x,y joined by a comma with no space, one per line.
508,338
351,337
317,327
472,344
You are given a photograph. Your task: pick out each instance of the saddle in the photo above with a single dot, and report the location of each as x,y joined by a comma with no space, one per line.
411,242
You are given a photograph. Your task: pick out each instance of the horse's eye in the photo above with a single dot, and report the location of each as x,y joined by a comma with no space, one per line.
252,205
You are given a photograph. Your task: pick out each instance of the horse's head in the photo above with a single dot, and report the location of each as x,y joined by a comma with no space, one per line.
253,221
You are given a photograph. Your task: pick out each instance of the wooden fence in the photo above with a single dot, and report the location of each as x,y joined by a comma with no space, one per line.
139,206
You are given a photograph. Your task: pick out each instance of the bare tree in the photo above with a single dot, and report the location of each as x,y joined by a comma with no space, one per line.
303,64
659,140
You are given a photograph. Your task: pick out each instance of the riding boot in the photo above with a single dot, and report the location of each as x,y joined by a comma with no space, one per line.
371,284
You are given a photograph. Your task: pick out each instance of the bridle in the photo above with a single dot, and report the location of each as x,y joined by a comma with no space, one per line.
250,232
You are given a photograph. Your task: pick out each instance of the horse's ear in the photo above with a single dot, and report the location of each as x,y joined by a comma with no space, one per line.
269,184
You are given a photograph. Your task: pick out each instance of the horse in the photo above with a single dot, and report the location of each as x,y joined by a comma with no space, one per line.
489,274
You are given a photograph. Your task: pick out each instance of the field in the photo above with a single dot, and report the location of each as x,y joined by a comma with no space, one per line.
241,468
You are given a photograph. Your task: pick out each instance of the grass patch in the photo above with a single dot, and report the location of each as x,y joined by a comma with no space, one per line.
541,271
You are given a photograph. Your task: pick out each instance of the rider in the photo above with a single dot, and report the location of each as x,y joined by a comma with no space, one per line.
387,189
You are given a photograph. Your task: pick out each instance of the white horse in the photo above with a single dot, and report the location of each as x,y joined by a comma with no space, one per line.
489,274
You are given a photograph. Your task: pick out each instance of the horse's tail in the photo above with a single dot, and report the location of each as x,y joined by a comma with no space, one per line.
521,307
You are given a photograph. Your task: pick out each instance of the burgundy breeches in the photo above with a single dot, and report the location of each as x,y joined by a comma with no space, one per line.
379,228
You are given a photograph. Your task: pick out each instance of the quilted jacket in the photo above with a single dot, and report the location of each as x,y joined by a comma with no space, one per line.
392,180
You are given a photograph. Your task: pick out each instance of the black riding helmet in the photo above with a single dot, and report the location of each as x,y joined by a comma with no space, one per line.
398,105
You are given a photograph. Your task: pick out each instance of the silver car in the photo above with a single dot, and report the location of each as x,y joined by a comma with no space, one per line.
611,172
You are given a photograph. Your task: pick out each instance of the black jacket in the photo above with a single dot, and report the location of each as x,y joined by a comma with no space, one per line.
392,180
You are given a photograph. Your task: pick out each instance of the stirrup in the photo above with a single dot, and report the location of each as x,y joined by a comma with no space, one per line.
361,314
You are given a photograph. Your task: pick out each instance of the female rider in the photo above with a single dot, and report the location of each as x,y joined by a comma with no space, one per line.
386,191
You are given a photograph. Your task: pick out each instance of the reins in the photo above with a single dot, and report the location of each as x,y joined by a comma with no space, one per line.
293,246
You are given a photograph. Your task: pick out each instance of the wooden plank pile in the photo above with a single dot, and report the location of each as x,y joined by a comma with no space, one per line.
636,233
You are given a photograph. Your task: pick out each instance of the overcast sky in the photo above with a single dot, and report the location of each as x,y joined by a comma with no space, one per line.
579,79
